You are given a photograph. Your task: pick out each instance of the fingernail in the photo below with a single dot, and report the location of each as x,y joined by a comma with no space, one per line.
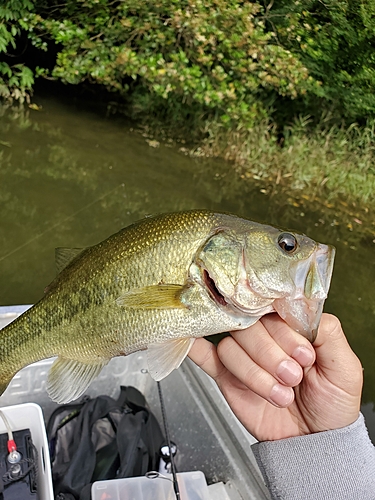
289,372
281,395
303,355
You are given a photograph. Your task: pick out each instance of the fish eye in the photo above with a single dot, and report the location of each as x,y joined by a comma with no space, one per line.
287,242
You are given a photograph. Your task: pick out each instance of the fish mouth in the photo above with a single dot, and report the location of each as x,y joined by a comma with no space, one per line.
303,310
230,304
214,292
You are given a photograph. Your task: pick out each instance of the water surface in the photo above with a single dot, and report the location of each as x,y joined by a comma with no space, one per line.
70,176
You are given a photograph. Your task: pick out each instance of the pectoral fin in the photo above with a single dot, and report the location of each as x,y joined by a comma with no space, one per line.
68,379
164,358
153,297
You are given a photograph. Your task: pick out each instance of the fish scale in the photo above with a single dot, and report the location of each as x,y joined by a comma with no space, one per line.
156,285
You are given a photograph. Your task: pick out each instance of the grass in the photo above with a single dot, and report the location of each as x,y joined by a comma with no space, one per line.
334,163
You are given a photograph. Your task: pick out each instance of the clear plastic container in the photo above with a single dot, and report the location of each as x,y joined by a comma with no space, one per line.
192,486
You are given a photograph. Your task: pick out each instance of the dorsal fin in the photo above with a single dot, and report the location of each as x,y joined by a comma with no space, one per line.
64,256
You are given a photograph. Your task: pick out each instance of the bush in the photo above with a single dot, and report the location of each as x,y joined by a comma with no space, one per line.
335,40
234,61
16,80
211,58
202,58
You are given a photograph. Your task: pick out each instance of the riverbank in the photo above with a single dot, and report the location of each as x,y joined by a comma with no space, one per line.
332,168
231,80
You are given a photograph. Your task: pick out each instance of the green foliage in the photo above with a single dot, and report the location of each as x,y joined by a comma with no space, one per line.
212,58
335,40
233,61
15,80
330,163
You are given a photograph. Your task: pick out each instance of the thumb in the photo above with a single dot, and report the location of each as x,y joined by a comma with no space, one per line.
335,358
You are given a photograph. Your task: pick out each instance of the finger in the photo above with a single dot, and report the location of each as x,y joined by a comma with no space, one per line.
293,343
267,354
246,370
335,357
204,354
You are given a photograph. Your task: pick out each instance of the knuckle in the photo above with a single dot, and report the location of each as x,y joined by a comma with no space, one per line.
331,324
205,356
267,354
255,379
357,373
226,346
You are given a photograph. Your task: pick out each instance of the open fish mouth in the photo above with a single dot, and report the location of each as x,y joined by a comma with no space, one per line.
258,307
214,292
301,310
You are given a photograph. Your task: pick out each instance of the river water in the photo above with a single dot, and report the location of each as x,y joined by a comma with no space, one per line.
70,176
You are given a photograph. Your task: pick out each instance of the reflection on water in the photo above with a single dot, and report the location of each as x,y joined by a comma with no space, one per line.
71,177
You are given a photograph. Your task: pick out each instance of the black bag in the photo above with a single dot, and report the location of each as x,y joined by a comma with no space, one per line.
101,439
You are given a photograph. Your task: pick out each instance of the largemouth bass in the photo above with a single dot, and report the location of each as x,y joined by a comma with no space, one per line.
157,285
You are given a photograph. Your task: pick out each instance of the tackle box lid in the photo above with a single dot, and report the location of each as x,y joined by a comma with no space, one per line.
192,486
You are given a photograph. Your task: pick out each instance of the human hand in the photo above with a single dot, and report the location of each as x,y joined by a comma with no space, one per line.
278,384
